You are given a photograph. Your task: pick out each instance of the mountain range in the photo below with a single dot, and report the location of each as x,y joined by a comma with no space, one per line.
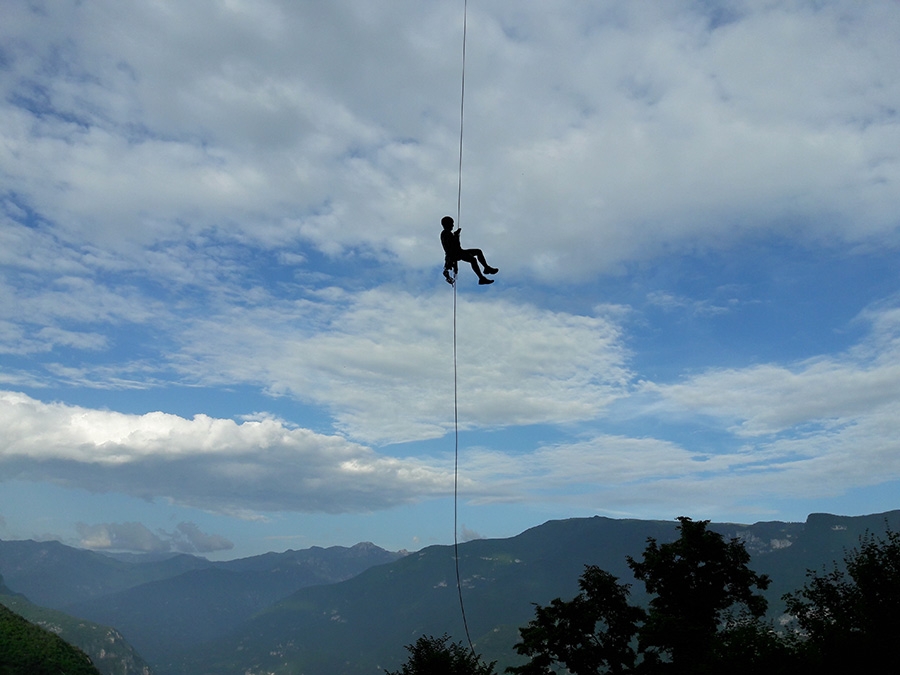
360,625
352,610
164,605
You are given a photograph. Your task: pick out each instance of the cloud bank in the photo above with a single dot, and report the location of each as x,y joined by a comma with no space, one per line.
213,464
597,134
186,538
225,196
381,361
813,429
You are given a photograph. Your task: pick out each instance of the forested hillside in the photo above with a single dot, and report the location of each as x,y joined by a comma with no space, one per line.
110,653
27,648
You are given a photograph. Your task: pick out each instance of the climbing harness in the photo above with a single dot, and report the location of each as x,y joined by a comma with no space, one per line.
462,107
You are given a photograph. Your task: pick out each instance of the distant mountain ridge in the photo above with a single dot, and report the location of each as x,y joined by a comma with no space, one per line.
168,615
351,611
361,625
54,575
165,605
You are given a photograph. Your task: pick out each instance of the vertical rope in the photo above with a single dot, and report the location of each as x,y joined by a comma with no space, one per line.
462,107
462,606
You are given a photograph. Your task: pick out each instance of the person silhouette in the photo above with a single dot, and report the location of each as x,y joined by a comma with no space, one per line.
454,252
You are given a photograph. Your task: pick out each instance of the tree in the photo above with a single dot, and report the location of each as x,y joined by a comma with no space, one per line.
849,618
700,582
594,630
703,616
434,656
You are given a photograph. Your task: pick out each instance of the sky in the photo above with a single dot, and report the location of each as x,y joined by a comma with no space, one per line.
223,325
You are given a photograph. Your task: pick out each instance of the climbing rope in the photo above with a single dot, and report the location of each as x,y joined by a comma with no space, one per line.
462,107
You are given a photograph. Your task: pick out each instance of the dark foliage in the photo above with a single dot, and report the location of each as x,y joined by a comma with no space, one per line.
694,582
849,620
749,646
704,615
438,656
26,648
594,630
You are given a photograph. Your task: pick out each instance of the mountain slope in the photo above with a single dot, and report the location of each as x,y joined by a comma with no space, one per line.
27,648
108,650
362,624
355,625
164,605
54,575
164,617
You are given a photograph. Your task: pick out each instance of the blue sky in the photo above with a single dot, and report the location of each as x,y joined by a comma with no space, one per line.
224,329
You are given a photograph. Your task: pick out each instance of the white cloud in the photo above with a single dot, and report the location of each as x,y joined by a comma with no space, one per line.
670,302
649,476
214,464
54,294
810,430
649,130
253,121
151,155
596,134
824,392
382,361
187,538
120,537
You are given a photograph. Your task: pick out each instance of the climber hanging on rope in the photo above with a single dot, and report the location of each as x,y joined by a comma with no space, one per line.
454,253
